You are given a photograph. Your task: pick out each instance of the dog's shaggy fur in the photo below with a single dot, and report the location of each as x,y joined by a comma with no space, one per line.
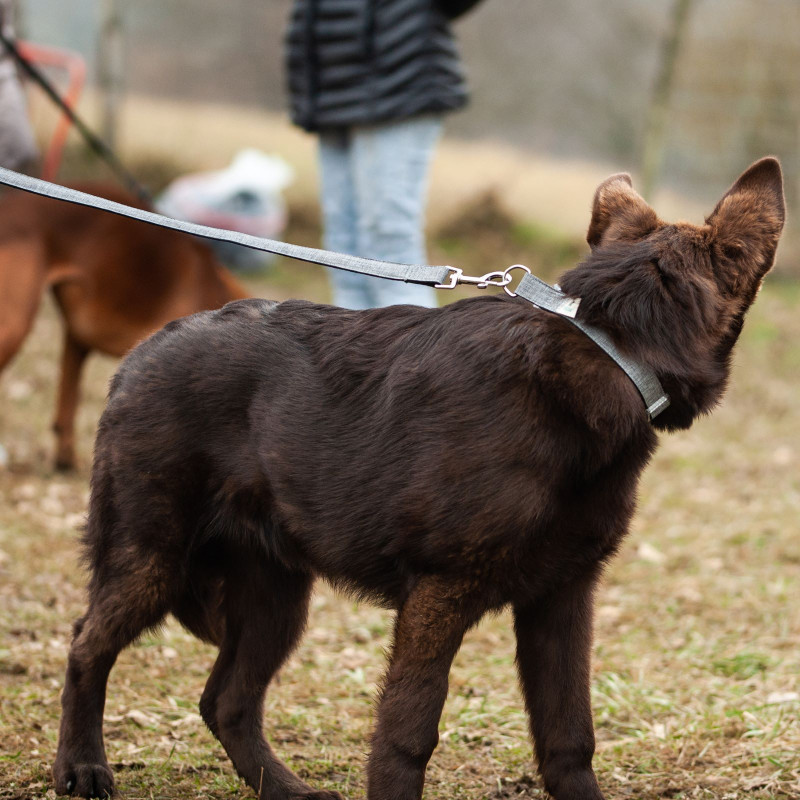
444,463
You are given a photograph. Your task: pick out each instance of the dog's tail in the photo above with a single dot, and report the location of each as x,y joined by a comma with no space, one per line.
23,278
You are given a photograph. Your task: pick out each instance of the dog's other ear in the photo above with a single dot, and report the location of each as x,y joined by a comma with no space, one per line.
747,222
618,212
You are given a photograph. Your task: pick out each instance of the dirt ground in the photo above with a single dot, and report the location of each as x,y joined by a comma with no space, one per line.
696,687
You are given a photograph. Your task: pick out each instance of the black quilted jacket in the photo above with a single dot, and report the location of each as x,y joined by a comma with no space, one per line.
359,62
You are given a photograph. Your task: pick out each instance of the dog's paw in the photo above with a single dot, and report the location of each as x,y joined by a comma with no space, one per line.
321,795
575,785
84,780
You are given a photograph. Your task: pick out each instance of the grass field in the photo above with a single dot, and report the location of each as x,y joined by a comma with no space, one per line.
696,676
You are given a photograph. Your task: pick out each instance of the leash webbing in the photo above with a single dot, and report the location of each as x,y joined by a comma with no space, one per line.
411,273
531,288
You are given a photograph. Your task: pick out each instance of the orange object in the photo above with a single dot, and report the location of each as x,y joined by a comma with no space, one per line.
74,66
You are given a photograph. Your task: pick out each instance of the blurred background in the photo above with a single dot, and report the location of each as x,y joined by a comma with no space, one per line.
696,680
682,93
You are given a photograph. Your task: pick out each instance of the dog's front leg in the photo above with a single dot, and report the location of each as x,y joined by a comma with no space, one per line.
428,633
554,640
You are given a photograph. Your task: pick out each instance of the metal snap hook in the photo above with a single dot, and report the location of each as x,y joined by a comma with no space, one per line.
497,278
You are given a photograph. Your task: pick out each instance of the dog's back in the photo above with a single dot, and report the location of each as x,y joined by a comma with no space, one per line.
404,394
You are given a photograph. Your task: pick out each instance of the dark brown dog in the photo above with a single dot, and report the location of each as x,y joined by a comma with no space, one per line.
115,280
444,463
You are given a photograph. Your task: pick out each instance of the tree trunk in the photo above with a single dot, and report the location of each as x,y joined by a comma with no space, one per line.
110,69
658,114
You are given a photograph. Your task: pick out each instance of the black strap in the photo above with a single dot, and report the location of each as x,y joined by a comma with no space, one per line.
92,139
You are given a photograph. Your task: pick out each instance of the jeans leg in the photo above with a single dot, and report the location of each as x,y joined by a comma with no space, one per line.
339,216
391,166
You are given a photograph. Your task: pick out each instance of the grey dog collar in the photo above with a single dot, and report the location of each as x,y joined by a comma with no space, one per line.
553,299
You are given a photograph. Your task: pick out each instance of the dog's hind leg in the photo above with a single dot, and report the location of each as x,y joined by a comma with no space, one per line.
133,585
72,360
265,607
428,633
554,639
134,600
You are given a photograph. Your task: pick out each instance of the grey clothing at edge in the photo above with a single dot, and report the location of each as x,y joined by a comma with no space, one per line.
17,145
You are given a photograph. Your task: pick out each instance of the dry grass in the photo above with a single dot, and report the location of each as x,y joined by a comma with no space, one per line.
696,672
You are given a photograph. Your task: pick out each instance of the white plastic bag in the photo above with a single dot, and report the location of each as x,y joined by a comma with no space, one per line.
246,196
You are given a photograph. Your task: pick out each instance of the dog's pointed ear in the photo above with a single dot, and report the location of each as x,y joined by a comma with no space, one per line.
748,220
619,212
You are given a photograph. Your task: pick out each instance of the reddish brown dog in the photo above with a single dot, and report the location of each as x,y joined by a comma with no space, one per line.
115,281
442,462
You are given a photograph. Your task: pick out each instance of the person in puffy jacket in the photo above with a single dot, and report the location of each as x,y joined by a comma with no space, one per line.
373,78
18,149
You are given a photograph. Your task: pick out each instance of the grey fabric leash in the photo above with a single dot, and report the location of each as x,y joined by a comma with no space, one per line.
531,288
410,273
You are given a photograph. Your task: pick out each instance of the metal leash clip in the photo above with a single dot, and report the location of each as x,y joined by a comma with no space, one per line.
500,278
497,278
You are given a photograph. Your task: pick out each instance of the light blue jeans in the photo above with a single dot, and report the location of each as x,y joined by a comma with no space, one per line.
374,188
